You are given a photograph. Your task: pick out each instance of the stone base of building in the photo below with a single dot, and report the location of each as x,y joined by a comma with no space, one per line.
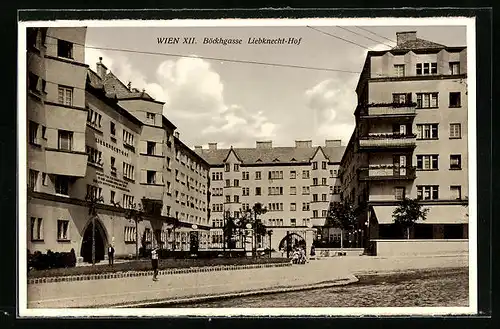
424,247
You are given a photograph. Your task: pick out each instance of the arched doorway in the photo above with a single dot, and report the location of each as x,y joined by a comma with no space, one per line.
100,242
292,240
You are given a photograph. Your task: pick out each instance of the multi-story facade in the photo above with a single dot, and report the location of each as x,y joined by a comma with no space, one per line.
410,139
295,185
90,135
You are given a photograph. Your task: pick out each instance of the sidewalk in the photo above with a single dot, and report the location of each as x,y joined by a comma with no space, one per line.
102,293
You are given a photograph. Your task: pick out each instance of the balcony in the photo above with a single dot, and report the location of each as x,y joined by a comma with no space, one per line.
389,111
67,163
153,191
387,141
389,172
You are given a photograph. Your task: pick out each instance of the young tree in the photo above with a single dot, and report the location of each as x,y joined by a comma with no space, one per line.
135,212
341,215
270,233
92,202
259,229
228,232
407,213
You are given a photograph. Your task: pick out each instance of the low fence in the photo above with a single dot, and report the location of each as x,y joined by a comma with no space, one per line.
414,247
335,252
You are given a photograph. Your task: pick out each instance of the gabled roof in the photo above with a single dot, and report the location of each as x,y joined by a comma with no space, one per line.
419,44
319,148
114,86
269,155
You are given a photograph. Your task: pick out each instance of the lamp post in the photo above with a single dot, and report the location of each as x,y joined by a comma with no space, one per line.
249,227
196,240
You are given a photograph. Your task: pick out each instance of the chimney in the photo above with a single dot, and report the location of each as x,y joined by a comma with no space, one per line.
264,145
212,146
333,143
176,134
129,85
403,37
101,69
198,147
303,144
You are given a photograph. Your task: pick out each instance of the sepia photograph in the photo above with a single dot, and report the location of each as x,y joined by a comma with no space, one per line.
247,167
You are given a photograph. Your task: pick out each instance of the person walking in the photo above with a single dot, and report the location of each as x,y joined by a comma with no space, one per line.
154,263
111,255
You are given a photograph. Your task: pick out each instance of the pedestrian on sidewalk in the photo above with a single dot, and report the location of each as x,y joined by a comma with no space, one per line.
111,255
154,263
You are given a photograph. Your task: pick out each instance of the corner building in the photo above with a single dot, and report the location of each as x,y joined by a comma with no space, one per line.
89,134
410,140
295,185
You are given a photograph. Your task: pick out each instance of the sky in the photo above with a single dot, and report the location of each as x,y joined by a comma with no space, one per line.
237,104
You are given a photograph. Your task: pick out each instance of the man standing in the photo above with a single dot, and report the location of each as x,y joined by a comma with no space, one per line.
111,255
154,263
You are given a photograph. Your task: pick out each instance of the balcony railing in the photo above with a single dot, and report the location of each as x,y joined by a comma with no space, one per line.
389,172
389,110
67,163
387,141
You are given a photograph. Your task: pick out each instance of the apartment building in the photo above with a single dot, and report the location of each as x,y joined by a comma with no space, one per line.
90,135
295,185
410,140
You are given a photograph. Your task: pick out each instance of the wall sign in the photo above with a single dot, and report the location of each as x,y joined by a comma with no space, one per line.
111,181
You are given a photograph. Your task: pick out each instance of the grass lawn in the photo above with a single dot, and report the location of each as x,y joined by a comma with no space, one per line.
145,265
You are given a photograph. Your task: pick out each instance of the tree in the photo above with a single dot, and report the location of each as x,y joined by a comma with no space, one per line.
259,229
341,215
407,213
135,212
92,202
228,232
270,233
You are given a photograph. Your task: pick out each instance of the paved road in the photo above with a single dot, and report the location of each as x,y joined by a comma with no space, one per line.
94,293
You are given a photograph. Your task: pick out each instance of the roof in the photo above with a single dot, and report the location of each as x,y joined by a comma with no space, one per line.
114,86
419,44
269,155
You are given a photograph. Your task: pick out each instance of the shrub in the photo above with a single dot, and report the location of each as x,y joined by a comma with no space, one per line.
39,261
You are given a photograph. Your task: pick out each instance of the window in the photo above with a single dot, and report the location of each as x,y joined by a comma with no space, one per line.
65,95
456,192
315,181
246,175
128,171
236,199
336,189
227,167
64,49
246,191
323,165
151,177
128,138
112,128
44,130
427,100
315,198
65,140
399,193
455,130
62,230
427,192
455,161
305,174
293,174
293,206
293,190
228,183
94,192
35,84
94,156
62,185
323,197
427,162
151,146
36,229
128,200
323,181
293,222
399,70
236,167
257,191
455,99
93,118
315,165
315,213
32,179
129,234
427,131
305,206
236,183
426,68
324,213
112,197
454,68
305,190
150,116
275,174
258,175
399,98
228,198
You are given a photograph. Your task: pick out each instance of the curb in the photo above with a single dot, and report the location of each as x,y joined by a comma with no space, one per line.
200,299
133,274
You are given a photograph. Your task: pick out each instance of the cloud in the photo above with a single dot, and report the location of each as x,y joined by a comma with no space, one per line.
332,103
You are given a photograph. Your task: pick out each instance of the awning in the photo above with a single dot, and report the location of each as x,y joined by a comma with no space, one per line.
438,214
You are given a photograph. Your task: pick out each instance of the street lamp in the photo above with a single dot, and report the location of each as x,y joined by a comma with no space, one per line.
249,227
196,240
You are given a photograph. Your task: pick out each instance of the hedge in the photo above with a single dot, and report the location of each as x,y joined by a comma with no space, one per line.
51,260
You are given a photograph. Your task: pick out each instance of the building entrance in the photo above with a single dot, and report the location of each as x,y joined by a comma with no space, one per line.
100,242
